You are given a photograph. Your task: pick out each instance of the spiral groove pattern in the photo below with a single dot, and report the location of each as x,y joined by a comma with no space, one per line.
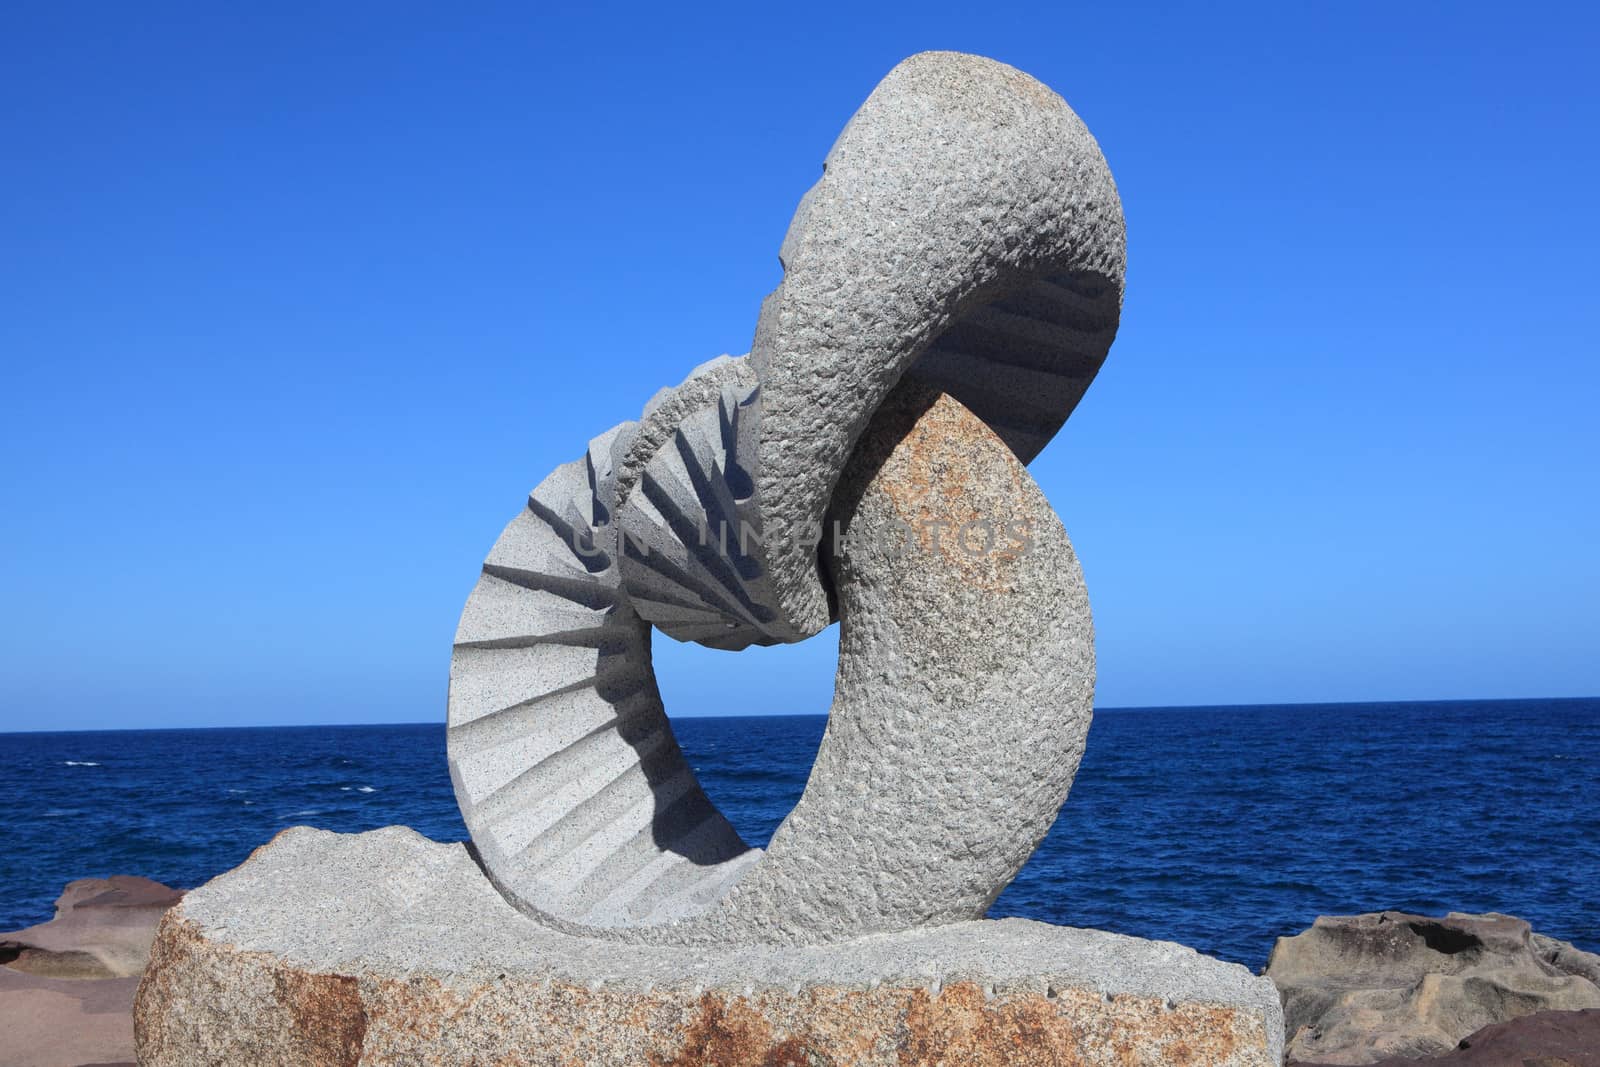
951,287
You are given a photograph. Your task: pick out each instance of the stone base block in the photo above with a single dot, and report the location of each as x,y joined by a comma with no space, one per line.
388,948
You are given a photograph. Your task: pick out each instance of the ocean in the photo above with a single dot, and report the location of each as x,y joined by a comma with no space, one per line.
1221,828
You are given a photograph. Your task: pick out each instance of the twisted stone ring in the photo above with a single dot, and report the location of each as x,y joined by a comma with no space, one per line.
951,286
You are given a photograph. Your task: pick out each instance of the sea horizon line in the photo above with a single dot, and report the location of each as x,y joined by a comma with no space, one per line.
1112,709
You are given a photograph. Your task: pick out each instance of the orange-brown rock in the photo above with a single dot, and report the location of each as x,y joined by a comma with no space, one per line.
102,929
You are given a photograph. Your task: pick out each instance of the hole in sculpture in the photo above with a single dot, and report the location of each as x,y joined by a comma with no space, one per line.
749,722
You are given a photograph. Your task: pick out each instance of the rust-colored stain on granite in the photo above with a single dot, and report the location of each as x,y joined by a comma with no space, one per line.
205,1001
1075,1028
730,1033
326,1013
962,1024
930,479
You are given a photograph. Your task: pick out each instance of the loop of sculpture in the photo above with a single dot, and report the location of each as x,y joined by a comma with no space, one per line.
951,286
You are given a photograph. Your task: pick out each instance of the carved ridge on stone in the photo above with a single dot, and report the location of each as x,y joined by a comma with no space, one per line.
966,237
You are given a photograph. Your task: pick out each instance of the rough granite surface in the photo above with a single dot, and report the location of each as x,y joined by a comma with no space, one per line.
388,948
965,240
964,693
961,707
959,182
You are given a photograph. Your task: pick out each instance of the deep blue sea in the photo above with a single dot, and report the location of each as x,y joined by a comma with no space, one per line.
1222,828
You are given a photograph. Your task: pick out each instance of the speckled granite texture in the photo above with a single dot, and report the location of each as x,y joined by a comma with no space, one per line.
965,241
951,286
387,948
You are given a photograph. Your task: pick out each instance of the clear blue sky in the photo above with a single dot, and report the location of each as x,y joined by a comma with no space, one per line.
297,302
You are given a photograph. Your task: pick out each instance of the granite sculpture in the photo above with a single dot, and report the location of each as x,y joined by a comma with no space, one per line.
963,250
951,286
387,948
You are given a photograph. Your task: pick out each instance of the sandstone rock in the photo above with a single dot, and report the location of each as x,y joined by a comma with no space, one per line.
67,987
963,695
102,929
62,1022
961,706
1357,989
386,947
1567,959
1547,1039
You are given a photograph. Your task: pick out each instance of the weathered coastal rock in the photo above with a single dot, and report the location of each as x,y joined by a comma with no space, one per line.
1567,959
65,1022
1359,989
1548,1039
67,986
386,947
1551,1039
102,929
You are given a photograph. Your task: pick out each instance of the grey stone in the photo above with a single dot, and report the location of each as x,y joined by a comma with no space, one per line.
386,947
688,533
966,629
967,230
1544,1039
964,692
966,235
1359,989
1567,958
951,287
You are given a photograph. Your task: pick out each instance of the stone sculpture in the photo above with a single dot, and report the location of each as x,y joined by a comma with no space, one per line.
965,242
951,287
